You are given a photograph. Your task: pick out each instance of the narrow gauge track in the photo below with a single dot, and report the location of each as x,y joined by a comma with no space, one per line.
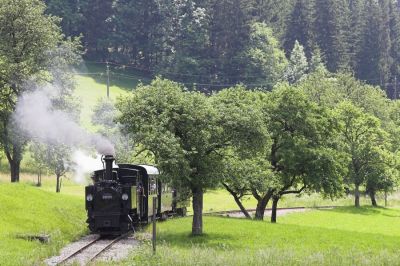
93,249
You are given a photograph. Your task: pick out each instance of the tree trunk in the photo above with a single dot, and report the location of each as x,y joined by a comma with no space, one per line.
373,198
262,205
274,209
385,198
242,208
14,168
14,157
197,225
39,178
357,196
237,200
58,184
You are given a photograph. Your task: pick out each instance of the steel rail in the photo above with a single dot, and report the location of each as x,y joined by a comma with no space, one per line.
68,257
115,240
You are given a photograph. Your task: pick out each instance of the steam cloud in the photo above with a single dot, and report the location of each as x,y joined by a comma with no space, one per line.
84,164
36,116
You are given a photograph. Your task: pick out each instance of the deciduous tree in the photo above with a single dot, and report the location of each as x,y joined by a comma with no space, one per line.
26,37
186,135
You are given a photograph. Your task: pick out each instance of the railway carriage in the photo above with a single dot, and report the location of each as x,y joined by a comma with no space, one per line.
121,197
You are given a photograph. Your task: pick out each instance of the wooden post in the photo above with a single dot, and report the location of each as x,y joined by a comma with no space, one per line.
154,224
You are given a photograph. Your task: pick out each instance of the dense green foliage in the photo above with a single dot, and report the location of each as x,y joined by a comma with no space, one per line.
326,133
210,44
186,133
32,52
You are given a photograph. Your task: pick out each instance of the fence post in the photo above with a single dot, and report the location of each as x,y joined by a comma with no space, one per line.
154,224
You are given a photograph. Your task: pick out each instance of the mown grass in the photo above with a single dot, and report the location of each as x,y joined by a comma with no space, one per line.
343,236
221,200
91,87
25,209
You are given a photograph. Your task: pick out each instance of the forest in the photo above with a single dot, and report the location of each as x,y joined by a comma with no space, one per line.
214,44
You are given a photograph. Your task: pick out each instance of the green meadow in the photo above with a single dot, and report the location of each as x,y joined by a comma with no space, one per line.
341,236
28,210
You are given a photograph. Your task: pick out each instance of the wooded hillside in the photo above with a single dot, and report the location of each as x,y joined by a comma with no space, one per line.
216,43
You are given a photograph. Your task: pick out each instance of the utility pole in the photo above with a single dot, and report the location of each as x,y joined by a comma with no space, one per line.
108,80
395,87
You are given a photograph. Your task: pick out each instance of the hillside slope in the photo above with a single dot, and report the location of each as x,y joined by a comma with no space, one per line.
26,209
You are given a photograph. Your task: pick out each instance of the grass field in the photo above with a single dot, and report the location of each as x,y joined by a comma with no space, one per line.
26,209
343,236
93,86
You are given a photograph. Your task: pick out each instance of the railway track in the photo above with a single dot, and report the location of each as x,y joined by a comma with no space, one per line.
91,250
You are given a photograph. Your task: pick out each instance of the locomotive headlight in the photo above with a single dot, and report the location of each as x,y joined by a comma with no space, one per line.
125,196
89,197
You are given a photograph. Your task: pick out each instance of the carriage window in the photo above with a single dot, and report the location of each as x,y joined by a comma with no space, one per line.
152,185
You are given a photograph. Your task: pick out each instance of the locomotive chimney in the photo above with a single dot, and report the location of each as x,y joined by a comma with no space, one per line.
108,159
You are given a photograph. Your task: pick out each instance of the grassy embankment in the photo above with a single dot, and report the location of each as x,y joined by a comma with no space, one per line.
26,209
344,236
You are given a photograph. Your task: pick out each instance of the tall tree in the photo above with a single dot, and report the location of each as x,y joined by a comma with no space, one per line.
332,26
369,54
363,142
70,14
26,37
302,154
186,135
395,46
273,13
97,27
298,65
137,33
385,59
229,35
266,62
300,27
185,53
356,30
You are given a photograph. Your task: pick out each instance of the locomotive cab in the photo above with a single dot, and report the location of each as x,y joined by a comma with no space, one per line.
121,197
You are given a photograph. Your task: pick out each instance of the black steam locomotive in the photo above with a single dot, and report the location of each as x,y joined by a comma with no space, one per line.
121,198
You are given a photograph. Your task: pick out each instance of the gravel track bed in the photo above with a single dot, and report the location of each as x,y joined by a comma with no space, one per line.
117,251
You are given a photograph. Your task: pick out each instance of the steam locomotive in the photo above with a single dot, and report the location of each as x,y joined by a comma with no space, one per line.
121,198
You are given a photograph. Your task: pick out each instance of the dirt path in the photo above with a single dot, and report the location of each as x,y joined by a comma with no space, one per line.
280,212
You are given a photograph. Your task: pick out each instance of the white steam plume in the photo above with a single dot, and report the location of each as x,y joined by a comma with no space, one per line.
84,164
36,116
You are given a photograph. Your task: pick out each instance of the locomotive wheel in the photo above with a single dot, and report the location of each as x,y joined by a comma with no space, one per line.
91,227
182,211
164,216
124,226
